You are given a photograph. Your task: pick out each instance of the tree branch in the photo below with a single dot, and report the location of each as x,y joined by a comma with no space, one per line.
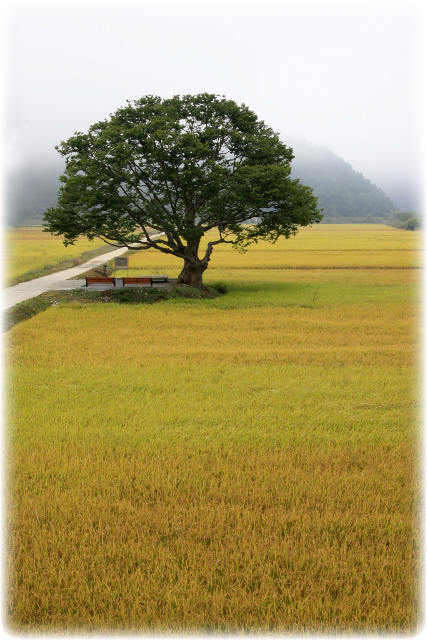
210,246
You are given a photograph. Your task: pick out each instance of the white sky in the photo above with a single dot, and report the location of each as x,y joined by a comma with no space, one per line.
346,76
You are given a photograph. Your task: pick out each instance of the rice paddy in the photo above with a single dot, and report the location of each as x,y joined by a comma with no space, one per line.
244,463
29,252
324,246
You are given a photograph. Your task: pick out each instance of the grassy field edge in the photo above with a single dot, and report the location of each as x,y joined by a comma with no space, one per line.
52,267
30,308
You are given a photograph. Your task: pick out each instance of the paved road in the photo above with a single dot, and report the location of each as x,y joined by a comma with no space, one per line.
54,281
59,280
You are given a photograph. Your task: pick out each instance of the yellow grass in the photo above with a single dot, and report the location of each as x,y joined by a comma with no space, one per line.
322,246
248,463
366,334
372,275
30,249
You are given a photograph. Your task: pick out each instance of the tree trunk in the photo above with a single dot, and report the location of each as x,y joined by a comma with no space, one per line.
192,273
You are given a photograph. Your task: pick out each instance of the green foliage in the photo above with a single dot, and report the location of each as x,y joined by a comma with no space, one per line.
221,287
104,270
407,220
181,166
413,224
405,215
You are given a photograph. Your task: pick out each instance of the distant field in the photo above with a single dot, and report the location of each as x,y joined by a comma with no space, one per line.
322,246
247,463
29,250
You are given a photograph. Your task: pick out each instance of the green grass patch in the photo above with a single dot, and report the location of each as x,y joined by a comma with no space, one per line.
83,297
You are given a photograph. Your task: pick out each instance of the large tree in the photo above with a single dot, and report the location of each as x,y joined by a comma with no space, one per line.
181,166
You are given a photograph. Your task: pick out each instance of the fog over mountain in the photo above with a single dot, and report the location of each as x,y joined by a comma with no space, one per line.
346,77
405,193
30,189
345,194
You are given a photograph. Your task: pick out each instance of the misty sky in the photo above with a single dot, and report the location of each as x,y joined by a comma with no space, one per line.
348,78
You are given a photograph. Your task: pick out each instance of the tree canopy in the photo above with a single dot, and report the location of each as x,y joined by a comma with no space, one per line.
180,166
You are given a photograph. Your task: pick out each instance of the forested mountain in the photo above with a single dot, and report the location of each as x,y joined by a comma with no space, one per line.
344,194
30,190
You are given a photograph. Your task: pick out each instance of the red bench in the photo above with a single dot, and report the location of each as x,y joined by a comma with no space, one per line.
144,280
99,280
137,280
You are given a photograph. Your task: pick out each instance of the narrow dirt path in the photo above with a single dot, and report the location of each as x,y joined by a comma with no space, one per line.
59,280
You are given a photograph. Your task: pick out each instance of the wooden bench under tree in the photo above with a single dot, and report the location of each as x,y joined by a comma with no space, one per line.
145,280
137,280
99,280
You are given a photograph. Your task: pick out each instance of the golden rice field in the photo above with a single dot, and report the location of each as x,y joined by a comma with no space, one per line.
249,463
325,246
30,249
